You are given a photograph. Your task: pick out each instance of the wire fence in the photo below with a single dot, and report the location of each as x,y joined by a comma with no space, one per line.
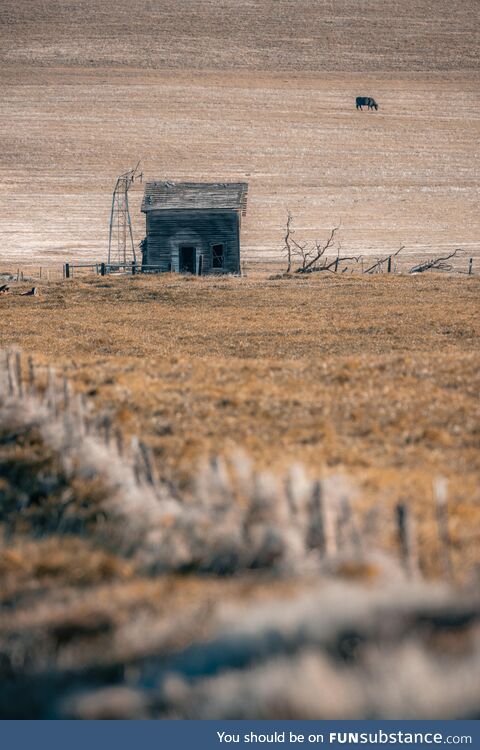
461,264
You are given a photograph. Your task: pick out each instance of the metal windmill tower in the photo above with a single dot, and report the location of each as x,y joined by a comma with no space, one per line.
121,249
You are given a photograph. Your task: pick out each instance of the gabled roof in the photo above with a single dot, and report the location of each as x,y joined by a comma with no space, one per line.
193,195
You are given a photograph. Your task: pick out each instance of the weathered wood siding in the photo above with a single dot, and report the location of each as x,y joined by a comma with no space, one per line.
168,230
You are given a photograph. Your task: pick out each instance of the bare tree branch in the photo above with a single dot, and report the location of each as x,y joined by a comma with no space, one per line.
310,256
339,259
318,252
313,257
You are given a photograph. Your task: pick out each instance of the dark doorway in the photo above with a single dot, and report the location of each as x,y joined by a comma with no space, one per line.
188,259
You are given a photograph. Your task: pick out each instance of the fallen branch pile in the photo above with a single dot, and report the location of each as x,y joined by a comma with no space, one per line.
436,264
388,259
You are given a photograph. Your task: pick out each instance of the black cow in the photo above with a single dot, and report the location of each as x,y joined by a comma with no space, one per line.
366,101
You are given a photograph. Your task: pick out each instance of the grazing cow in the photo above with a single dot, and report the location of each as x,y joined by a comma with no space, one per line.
366,101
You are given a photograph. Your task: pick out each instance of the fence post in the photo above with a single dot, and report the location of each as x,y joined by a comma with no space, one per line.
200,264
67,270
102,269
336,265
470,266
134,270
389,264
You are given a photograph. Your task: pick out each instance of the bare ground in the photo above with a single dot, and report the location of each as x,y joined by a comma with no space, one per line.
263,92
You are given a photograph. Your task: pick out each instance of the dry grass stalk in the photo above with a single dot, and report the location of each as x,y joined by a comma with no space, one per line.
440,490
407,540
236,518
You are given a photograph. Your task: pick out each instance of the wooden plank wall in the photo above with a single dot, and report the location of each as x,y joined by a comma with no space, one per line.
167,230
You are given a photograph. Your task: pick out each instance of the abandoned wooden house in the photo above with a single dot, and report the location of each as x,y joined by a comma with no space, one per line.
193,227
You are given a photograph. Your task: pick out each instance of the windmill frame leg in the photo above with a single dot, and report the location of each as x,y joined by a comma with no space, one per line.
121,247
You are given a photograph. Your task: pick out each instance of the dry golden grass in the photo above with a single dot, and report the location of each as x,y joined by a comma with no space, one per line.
376,378
73,599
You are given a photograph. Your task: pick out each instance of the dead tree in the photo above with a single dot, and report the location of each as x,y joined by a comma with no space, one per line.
312,257
380,262
438,264
288,241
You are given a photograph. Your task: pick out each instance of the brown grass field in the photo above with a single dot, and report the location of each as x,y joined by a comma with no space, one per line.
374,378
370,383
